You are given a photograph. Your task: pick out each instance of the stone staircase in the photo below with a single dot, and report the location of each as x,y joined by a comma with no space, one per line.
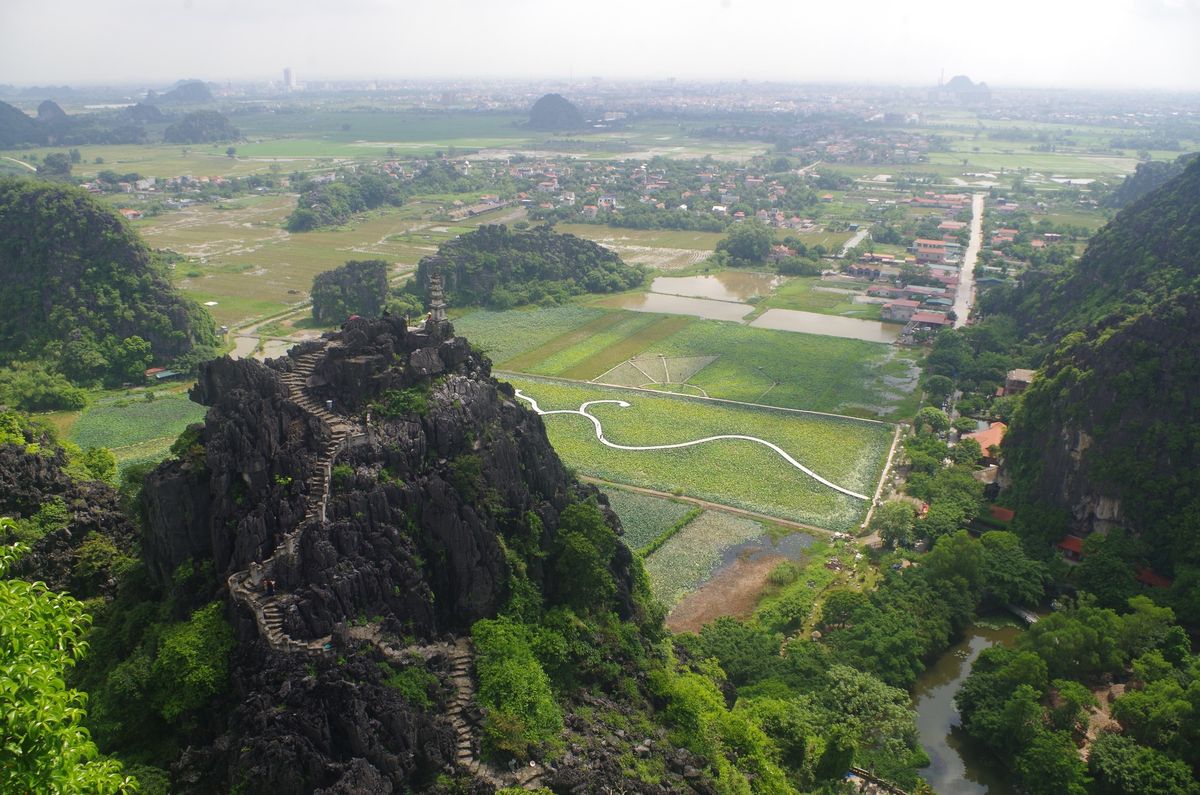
247,586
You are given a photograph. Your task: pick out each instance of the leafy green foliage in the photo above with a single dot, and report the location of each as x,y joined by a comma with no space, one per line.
31,387
192,664
895,521
43,744
582,557
402,402
1122,767
522,717
747,243
357,288
335,202
498,268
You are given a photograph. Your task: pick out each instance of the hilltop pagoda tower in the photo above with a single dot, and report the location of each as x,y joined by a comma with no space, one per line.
437,299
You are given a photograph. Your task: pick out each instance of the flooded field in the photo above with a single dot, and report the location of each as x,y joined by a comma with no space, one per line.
680,305
726,286
829,325
734,587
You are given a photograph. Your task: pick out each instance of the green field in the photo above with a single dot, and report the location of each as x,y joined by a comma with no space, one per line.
741,473
801,293
695,553
644,517
506,335
241,256
136,429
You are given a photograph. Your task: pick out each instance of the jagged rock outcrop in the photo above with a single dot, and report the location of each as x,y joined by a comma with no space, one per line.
373,518
30,481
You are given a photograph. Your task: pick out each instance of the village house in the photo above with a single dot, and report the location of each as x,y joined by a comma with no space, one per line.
901,310
991,438
929,250
931,321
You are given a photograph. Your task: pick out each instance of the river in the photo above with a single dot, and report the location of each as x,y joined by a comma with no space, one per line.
956,767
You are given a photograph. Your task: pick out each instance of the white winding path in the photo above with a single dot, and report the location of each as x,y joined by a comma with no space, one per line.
583,412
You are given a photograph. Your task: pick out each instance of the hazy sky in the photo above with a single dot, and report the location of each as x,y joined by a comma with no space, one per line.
1086,43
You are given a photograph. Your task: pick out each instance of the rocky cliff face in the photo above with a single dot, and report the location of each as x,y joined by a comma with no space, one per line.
418,501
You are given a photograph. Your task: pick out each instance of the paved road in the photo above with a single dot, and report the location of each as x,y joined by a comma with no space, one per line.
966,275
21,163
859,237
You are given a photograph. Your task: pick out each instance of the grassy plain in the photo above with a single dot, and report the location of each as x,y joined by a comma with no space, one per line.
506,335
732,472
803,293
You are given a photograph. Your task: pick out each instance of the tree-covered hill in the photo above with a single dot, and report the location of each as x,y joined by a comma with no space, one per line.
82,293
498,267
1150,250
554,112
1148,176
16,128
1108,434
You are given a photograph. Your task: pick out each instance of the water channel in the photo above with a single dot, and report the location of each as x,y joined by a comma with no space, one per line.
680,305
956,766
724,286
829,325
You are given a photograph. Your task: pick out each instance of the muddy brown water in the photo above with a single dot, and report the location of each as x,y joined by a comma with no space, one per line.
724,286
829,325
681,305
957,766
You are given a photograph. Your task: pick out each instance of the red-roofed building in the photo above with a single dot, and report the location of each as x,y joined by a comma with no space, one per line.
932,320
1072,548
929,250
988,439
1147,577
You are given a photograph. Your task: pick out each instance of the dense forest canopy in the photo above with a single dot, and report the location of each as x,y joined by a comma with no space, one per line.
498,267
357,288
83,294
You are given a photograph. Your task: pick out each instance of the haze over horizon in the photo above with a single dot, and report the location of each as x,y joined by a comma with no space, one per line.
1110,44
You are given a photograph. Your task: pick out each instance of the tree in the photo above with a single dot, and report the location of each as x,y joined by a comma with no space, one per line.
55,165
747,243
1049,765
44,746
840,606
1010,576
895,520
1122,767
357,288
938,387
933,418
967,451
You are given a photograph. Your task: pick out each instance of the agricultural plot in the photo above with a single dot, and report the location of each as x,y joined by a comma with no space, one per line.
644,517
846,453
655,371
811,294
506,335
806,371
694,554
136,430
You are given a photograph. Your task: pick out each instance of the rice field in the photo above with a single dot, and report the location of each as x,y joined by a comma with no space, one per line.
136,429
740,473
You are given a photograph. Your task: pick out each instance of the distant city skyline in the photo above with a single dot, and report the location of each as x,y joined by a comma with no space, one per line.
1098,44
